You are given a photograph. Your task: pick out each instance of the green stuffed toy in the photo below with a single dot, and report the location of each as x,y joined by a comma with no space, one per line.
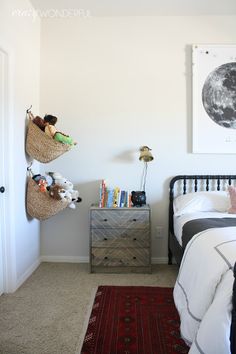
64,139
51,131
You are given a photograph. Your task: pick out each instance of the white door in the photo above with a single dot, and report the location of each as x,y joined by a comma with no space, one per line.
3,103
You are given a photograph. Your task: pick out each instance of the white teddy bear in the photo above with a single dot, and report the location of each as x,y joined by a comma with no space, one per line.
61,181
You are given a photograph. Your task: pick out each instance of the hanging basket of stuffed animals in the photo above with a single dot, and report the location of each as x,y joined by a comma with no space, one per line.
42,147
41,205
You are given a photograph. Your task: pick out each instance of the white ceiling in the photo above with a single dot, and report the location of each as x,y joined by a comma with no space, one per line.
142,7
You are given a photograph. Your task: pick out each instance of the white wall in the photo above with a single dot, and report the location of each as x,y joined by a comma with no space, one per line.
117,84
20,38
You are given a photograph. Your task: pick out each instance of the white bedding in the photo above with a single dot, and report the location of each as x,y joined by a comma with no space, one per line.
179,221
203,290
214,331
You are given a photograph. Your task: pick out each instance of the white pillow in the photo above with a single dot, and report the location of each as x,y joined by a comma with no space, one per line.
201,201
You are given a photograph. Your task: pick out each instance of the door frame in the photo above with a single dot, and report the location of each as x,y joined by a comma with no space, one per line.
7,141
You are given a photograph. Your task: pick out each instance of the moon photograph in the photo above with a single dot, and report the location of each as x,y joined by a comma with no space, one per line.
219,95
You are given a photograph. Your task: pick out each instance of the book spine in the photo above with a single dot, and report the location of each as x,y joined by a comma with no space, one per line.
105,197
100,195
122,199
110,198
126,199
103,190
130,202
115,197
119,198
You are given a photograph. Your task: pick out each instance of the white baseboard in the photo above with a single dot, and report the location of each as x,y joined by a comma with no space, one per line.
64,259
26,274
69,259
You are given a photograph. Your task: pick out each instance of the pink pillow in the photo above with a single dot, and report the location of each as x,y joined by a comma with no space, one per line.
232,194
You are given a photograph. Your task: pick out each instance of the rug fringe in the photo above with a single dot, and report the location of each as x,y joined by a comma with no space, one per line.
86,319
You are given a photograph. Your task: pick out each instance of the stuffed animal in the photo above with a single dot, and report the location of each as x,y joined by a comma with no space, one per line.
53,176
42,185
51,131
37,120
37,178
59,193
47,124
41,181
75,196
57,178
44,182
68,186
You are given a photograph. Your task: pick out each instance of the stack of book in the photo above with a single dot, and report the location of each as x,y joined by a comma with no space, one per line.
113,197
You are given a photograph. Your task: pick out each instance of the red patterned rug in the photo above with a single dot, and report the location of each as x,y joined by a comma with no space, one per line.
133,320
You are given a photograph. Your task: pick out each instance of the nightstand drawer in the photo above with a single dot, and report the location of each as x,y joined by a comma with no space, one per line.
120,237
135,219
111,257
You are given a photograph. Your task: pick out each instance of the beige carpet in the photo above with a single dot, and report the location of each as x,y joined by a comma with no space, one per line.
48,313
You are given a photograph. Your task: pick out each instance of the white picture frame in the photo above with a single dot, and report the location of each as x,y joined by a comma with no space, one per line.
214,98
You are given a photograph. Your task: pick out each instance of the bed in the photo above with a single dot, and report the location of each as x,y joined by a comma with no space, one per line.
202,239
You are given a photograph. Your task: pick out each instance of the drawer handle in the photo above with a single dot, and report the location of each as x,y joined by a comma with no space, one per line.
134,219
134,257
105,220
105,239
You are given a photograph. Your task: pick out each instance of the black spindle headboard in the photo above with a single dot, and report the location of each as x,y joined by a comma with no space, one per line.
206,184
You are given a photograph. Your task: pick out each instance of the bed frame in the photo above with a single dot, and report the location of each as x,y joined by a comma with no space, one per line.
183,184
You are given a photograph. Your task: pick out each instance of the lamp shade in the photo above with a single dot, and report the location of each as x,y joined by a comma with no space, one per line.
145,154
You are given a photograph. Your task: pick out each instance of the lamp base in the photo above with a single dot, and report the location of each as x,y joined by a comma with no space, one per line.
138,198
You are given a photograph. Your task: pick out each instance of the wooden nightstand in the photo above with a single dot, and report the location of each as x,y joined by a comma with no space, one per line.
120,240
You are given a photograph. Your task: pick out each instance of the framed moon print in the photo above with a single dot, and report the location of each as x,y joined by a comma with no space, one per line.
214,98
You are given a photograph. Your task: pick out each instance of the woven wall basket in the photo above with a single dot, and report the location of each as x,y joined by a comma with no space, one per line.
41,147
39,204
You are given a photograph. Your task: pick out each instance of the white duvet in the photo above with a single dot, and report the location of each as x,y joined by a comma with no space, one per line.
203,290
